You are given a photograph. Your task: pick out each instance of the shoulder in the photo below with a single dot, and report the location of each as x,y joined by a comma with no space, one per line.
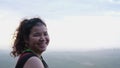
33,62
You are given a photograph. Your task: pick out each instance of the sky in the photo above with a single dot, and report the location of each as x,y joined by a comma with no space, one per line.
72,24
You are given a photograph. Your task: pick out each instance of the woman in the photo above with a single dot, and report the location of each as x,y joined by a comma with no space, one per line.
31,40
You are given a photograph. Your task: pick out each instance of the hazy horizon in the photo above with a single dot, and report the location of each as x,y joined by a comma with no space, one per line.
90,59
70,50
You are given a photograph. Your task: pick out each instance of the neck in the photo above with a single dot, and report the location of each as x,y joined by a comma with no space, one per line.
39,55
30,50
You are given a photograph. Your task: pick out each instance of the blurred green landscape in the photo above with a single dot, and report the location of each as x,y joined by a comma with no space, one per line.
109,58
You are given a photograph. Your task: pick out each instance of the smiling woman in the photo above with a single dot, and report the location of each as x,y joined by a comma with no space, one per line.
31,40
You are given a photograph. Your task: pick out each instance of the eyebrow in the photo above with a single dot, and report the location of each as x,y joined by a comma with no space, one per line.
40,32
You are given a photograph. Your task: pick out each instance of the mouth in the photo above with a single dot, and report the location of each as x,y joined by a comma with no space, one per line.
42,45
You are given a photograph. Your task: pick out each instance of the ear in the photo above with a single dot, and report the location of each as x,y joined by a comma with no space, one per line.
26,40
27,43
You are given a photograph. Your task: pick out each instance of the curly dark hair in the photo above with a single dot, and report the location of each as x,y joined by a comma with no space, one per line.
22,34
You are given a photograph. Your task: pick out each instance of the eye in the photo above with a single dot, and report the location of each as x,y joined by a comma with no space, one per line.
45,33
36,34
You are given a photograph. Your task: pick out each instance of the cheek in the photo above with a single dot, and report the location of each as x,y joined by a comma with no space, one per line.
48,40
32,44
32,41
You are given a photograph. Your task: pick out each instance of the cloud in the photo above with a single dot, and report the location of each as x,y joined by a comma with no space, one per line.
115,1
85,32
112,13
89,18
8,23
61,8
58,9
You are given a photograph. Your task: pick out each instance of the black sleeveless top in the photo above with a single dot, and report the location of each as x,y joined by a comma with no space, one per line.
25,56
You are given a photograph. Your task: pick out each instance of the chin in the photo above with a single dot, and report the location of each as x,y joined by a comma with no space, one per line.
42,50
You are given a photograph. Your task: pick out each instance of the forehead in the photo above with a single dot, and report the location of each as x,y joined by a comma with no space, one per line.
39,28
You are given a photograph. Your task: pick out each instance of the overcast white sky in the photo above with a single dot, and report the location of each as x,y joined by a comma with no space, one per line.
72,24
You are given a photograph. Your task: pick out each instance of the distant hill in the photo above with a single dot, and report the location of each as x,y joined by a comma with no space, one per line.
109,58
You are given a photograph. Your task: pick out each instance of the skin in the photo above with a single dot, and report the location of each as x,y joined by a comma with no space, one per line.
33,62
38,42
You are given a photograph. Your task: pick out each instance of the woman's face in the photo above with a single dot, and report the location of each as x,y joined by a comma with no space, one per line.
38,38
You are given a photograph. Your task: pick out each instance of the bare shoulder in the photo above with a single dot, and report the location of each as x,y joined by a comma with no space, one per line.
33,62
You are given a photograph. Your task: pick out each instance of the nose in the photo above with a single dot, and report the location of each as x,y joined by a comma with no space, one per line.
42,38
